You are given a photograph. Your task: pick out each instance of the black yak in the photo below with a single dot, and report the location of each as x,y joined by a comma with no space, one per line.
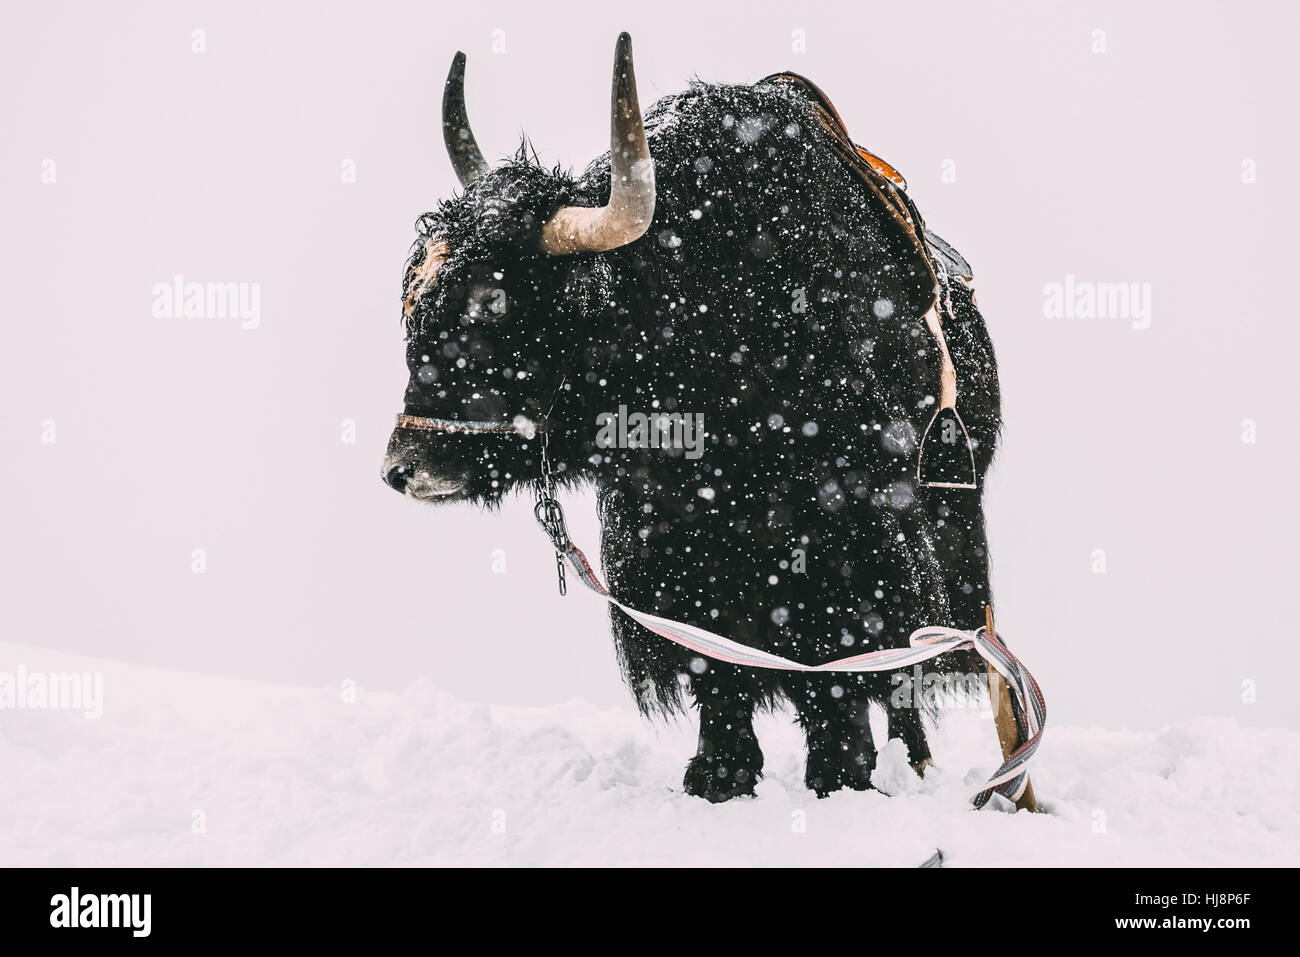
727,261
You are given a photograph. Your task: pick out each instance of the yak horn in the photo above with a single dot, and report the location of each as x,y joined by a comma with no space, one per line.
466,158
577,229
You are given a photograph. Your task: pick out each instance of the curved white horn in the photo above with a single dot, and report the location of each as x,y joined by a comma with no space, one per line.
576,229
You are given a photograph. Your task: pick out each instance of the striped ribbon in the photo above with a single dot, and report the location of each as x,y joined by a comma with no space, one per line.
1027,701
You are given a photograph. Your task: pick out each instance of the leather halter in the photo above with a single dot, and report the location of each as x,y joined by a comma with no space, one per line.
419,423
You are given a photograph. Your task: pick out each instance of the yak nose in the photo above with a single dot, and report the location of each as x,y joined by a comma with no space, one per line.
395,476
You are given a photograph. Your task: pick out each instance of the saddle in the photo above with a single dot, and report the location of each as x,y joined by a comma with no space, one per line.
884,181
946,456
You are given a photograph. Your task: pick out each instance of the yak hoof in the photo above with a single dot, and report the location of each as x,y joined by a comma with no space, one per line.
717,781
920,766
827,772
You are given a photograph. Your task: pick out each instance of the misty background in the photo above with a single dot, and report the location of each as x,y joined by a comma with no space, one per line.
1104,141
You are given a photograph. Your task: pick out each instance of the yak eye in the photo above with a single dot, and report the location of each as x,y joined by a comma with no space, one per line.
427,375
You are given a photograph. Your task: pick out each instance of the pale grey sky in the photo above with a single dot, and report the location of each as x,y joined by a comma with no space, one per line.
1041,148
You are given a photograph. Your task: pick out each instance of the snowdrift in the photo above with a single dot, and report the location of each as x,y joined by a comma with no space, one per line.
183,769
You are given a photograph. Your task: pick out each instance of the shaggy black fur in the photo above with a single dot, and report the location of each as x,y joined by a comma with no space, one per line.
812,414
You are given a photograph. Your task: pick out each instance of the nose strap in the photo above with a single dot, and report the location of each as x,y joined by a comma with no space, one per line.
419,423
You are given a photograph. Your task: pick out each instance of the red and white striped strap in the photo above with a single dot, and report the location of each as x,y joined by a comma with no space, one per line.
925,643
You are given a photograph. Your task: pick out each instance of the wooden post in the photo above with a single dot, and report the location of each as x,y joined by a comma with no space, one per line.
1005,720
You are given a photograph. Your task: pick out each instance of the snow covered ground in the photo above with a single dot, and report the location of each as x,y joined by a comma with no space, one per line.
190,770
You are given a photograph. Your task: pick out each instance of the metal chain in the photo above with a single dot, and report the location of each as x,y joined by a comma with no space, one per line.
547,511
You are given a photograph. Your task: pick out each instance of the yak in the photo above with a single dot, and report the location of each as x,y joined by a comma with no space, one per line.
727,264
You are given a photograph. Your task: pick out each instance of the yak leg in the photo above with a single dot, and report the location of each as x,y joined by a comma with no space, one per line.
728,761
835,717
905,723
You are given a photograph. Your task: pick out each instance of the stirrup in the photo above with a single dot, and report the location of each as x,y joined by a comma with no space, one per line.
955,478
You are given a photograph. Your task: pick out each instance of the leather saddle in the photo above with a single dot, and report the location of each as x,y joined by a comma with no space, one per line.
884,181
942,462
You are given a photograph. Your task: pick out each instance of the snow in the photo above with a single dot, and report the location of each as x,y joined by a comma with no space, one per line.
279,775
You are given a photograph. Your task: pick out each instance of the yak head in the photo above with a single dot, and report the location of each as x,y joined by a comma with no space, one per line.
502,285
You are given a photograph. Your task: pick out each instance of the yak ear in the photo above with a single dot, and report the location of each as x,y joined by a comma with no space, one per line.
466,158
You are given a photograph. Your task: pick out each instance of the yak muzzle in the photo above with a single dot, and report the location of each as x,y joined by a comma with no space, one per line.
417,483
